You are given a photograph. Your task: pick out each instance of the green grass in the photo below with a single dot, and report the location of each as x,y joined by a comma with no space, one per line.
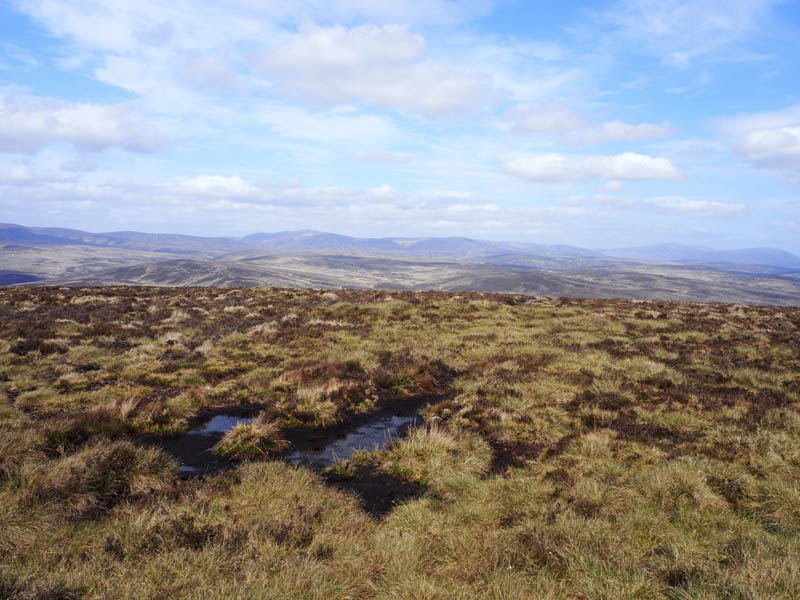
572,449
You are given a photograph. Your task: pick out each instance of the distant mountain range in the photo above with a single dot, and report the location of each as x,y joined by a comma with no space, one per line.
454,248
54,256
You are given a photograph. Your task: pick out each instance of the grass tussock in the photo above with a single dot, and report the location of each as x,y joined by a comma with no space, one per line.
570,449
260,438
98,477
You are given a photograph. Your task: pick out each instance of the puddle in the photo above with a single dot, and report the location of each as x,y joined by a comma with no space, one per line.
193,448
375,434
219,424
314,448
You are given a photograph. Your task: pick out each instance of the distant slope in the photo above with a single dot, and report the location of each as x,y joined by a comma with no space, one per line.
68,260
295,241
129,240
457,248
187,272
524,254
15,277
702,254
25,235
333,271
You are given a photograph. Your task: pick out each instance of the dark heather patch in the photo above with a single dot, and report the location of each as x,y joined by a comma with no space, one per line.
557,448
677,577
378,492
792,386
588,399
512,453
629,427
13,588
763,402
615,348
24,346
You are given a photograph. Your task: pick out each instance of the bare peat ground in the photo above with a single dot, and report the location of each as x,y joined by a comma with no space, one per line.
575,448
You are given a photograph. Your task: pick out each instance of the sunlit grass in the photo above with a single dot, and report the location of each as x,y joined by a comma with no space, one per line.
571,449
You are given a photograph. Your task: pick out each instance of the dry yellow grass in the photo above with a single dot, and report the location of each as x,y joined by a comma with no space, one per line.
571,449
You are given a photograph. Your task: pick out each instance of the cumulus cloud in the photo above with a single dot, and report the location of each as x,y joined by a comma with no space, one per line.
542,118
681,31
377,65
768,140
772,148
560,167
675,205
215,185
29,123
618,131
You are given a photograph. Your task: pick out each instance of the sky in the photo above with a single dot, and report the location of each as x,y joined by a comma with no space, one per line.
596,124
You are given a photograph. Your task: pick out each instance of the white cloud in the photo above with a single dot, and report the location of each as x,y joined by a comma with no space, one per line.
612,186
380,66
16,175
680,31
772,148
78,166
215,185
618,131
693,148
560,167
542,118
213,72
769,140
236,204
692,206
326,126
675,205
30,123
316,49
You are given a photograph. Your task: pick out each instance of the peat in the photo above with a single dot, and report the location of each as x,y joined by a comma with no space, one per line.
316,448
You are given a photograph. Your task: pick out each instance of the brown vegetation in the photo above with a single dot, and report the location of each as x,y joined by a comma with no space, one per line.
579,449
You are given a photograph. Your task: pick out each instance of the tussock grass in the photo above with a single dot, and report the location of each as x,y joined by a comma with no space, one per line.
259,438
572,449
98,476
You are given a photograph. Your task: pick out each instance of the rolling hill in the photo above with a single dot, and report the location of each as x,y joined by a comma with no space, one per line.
311,259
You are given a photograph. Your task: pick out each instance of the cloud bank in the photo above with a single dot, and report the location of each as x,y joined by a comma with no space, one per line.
560,167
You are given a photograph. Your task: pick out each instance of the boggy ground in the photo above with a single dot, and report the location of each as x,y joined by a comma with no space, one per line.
581,449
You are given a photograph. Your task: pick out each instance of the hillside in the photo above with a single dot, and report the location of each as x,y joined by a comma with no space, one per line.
52,256
603,279
562,449
452,248
704,255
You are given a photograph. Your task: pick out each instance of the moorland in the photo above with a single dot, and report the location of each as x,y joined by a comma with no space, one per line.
592,449
312,259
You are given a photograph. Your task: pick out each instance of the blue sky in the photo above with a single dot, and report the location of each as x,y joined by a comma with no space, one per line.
599,124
